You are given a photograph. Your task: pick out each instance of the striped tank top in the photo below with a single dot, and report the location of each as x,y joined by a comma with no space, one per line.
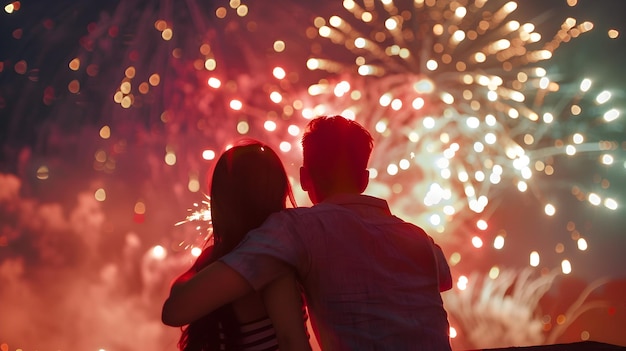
259,335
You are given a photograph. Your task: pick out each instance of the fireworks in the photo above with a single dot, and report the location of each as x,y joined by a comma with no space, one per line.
467,105
509,303
446,87
456,95
462,104
454,91
200,217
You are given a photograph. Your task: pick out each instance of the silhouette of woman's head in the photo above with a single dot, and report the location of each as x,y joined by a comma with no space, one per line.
336,152
248,184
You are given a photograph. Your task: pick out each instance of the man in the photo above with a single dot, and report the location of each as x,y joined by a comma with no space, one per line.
371,280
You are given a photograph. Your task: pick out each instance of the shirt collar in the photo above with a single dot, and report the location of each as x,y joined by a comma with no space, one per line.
349,200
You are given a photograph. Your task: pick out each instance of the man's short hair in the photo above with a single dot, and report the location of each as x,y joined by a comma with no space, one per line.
336,151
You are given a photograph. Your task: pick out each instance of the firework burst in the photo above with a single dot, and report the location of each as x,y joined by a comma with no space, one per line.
509,305
463,97
455,94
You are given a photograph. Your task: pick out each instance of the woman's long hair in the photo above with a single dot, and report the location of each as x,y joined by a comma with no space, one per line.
248,184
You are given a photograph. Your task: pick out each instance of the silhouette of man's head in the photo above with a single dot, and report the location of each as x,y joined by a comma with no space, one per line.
336,151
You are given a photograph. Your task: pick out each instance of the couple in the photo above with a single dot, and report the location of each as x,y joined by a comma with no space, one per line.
370,280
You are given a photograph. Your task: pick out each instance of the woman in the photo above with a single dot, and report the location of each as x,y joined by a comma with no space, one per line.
248,184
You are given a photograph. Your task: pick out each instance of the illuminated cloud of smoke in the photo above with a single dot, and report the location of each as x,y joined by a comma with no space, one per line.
61,291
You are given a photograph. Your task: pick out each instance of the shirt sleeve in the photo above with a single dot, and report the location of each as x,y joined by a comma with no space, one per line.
267,252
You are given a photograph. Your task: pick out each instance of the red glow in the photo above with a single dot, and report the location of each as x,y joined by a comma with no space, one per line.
139,218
